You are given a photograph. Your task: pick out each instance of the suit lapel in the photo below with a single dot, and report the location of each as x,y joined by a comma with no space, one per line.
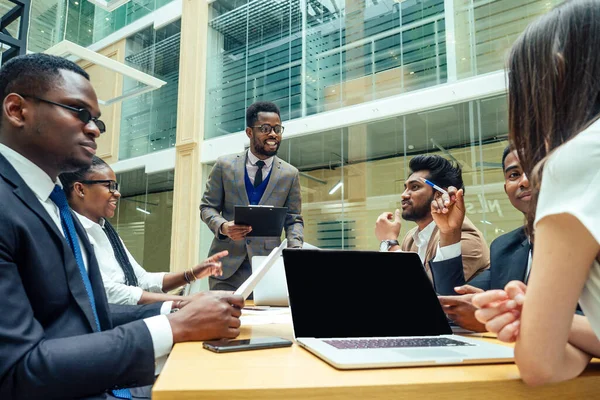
30,200
275,173
520,260
432,246
239,169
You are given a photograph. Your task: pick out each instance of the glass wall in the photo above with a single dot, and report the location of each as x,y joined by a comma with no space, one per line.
371,161
144,217
80,21
148,121
310,56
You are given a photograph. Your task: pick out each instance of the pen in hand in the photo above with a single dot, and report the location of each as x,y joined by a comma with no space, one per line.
433,185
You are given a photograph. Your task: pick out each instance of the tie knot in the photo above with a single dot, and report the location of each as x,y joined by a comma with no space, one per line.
58,197
260,164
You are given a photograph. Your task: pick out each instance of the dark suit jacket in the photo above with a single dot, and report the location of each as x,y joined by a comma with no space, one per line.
47,346
509,255
226,189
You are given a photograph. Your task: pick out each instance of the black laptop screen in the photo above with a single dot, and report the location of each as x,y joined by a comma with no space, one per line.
342,293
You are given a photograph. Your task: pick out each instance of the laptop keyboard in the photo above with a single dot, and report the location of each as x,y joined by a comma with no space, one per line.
395,342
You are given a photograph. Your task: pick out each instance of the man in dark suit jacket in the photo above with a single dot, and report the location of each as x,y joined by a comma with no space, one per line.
510,254
256,176
59,338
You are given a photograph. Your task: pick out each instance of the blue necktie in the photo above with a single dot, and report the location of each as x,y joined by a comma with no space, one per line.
66,220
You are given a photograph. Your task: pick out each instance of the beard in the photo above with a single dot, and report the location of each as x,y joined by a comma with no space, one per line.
417,213
259,148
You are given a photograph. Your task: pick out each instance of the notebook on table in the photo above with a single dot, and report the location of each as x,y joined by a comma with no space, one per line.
259,272
363,309
272,288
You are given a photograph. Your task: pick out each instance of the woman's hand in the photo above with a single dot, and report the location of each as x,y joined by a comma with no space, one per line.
500,310
211,266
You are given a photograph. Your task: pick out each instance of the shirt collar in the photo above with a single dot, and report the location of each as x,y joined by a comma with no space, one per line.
37,180
253,159
424,235
88,223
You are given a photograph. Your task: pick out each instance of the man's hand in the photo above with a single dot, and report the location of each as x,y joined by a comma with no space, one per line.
387,226
460,309
208,315
500,310
211,266
448,213
235,232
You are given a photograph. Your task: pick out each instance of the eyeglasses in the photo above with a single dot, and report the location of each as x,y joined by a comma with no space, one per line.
266,129
83,114
113,186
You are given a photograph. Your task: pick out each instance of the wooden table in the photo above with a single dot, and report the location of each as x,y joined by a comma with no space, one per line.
293,373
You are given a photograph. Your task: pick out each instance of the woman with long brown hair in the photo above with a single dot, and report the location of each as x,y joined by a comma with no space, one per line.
554,107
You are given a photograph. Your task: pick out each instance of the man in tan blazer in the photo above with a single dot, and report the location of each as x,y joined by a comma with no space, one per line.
426,239
256,176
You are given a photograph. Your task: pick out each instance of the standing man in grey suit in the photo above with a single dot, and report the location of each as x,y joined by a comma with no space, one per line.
59,338
256,176
510,254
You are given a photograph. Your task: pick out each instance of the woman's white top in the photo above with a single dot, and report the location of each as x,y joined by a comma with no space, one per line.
571,185
117,291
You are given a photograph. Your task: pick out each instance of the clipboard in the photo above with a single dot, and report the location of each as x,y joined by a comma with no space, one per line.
264,220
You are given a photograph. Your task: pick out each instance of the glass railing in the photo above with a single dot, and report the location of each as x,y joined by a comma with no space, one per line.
312,56
80,21
149,121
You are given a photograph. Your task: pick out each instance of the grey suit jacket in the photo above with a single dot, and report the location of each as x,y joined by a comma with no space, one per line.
226,188
47,346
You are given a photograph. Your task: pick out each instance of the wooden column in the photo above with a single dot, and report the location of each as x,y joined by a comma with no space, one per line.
108,84
185,236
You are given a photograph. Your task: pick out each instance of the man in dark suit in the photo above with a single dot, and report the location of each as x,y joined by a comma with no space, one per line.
59,338
256,176
510,254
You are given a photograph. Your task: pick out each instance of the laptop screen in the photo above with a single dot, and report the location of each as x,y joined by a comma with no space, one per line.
343,293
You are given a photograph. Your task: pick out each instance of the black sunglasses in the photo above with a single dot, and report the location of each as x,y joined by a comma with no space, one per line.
266,129
113,186
83,114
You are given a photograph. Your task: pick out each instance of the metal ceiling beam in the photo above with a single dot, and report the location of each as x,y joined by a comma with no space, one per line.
18,45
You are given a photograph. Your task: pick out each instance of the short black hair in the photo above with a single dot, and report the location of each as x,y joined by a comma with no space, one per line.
260,106
441,171
34,74
68,179
505,154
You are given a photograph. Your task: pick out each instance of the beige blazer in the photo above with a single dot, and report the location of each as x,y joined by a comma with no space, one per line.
475,251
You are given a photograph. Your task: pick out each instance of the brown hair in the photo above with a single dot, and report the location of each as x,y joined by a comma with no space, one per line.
554,84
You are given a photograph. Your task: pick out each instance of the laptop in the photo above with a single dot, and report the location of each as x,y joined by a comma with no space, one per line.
259,272
272,288
365,309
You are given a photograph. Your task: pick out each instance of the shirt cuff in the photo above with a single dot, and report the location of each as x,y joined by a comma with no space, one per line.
162,339
135,293
447,252
166,308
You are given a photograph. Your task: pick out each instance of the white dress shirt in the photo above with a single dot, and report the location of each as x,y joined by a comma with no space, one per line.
251,167
422,239
41,185
117,291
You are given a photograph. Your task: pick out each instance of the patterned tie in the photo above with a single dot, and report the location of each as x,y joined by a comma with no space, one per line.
258,178
66,220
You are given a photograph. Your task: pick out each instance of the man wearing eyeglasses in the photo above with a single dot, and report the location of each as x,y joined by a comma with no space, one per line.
256,176
59,338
